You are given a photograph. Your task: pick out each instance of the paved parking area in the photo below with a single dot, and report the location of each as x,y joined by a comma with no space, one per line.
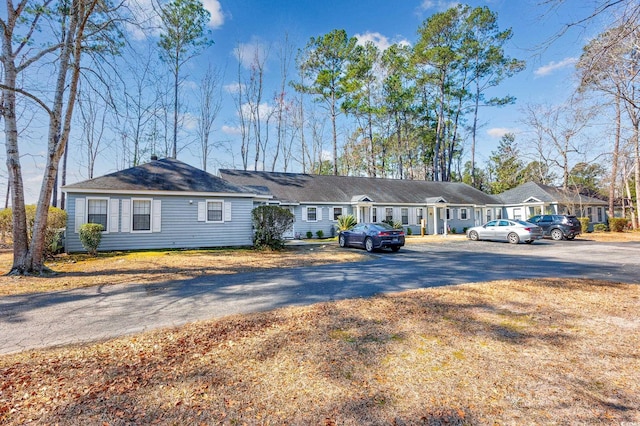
82,315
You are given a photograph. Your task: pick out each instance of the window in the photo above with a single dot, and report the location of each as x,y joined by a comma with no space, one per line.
374,214
97,211
600,214
404,212
419,216
214,211
464,214
141,215
388,213
448,213
517,214
337,212
209,211
312,214
488,215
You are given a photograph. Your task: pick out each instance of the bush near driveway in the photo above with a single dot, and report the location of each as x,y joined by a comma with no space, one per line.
617,224
508,352
269,224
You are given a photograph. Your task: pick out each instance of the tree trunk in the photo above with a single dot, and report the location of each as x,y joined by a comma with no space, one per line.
14,169
174,153
335,136
614,160
636,136
29,258
63,181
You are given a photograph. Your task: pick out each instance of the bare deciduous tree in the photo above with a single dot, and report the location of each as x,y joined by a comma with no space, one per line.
63,47
609,65
210,103
557,132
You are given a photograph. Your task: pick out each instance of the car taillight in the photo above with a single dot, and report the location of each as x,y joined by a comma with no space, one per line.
389,233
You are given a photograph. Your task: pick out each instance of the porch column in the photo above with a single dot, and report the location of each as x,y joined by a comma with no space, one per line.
435,220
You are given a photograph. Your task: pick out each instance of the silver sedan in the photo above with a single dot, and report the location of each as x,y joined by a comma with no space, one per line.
513,231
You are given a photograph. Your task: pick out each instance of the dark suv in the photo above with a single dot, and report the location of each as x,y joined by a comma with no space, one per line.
557,226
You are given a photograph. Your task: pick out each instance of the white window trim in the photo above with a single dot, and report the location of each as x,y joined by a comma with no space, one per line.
392,213
306,214
86,211
418,217
206,211
333,213
466,210
402,216
145,231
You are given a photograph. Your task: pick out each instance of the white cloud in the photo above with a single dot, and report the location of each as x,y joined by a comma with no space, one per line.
148,22
498,132
233,88
439,5
231,130
215,9
264,110
251,53
382,42
554,66
189,121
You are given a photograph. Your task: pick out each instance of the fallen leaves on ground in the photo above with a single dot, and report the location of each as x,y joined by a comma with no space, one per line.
546,351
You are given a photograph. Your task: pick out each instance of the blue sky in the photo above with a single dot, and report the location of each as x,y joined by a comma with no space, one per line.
547,79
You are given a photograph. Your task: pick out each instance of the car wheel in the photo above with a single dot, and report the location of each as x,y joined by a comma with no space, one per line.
556,234
368,244
513,238
473,236
341,241
395,248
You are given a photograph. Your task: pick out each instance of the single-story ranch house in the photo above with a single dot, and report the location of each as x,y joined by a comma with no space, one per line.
169,204
161,204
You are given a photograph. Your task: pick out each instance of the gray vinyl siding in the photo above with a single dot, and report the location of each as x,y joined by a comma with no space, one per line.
180,227
326,222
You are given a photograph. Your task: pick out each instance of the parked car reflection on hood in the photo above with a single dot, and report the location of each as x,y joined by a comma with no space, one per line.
372,236
509,230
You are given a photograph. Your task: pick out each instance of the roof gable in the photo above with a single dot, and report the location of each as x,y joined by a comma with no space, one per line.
434,200
531,200
167,174
532,192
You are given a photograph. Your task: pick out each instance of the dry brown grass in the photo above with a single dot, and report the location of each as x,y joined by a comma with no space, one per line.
509,352
79,270
525,352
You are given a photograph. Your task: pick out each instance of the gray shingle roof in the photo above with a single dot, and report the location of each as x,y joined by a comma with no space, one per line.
306,188
546,194
166,174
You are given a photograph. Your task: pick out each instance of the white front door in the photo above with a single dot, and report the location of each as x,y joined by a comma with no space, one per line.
290,234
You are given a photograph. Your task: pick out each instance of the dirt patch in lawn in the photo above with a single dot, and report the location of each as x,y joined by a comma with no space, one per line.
144,267
507,352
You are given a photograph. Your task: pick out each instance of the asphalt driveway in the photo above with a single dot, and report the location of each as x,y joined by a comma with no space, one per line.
90,314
